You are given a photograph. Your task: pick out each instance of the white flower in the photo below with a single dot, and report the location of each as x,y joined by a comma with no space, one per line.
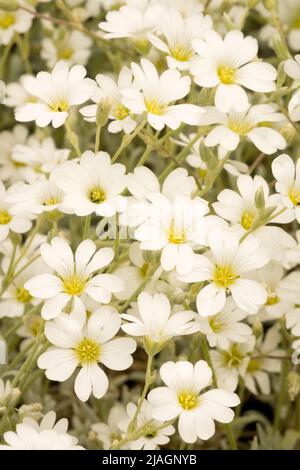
110,434
109,92
131,22
93,185
231,363
16,298
175,228
185,7
132,274
74,276
225,269
85,343
9,170
178,34
16,95
143,182
36,159
57,92
12,22
152,437
228,64
287,175
292,255
7,393
18,223
73,48
261,363
37,197
288,11
157,95
225,326
292,69
240,209
234,126
155,322
283,290
182,398
47,435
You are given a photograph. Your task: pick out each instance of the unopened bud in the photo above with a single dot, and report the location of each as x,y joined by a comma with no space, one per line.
280,48
293,384
31,411
9,5
103,111
288,132
15,238
260,199
257,329
281,75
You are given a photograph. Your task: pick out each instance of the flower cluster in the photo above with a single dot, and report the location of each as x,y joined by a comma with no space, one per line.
149,224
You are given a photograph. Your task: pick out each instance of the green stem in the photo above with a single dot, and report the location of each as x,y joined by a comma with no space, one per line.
127,139
72,138
282,394
5,55
86,227
184,152
97,140
144,156
30,361
148,382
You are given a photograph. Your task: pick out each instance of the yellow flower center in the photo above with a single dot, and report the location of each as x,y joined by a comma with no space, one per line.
120,112
51,201
74,285
5,217
97,195
59,107
181,52
272,298
226,74
65,53
154,107
7,20
294,195
176,236
87,351
247,220
188,401
23,295
224,276
142,45
215,324
233,357
240,127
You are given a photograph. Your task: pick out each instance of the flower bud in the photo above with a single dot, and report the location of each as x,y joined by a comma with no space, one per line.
103,111
31,411
9,5
293,384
